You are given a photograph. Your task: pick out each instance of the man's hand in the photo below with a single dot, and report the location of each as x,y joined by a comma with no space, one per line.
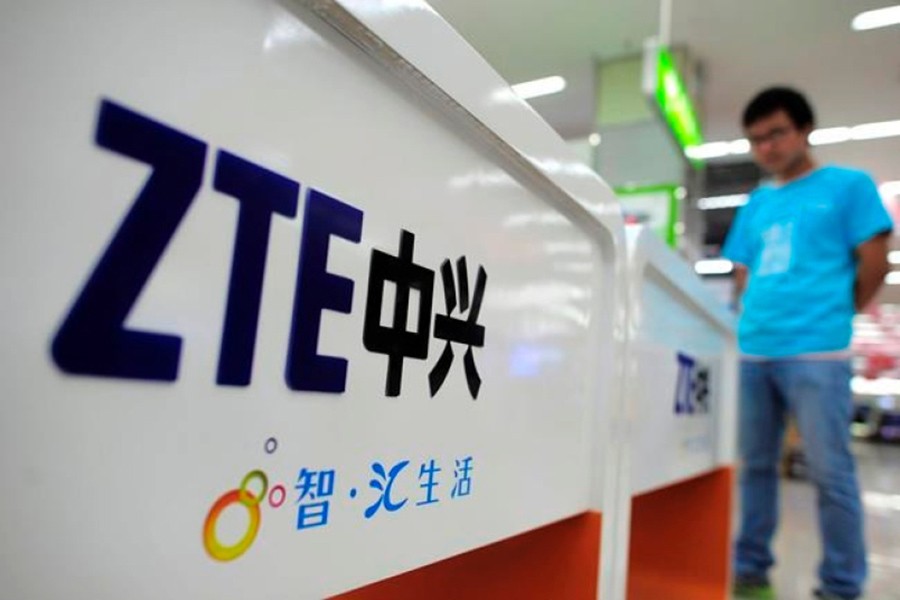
740,284
871,268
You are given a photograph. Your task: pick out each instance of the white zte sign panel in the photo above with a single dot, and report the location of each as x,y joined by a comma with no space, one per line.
681,393
274,325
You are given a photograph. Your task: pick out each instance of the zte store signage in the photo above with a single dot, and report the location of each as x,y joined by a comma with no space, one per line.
230,379
277,320
93,340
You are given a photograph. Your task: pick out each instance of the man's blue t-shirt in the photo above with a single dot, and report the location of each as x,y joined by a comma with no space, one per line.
798,243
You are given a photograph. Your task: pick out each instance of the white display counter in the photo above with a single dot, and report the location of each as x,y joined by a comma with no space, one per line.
297,297
682,365
680,392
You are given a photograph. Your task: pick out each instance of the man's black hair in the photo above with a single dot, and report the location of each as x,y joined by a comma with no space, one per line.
771,100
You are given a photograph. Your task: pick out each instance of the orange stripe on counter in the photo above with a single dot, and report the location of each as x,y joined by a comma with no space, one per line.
681,540
559,561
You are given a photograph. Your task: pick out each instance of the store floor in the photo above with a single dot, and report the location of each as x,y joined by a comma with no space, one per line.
797,543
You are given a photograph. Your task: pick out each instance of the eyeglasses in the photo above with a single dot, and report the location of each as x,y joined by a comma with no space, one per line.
774,135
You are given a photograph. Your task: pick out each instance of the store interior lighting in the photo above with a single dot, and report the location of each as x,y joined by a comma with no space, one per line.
539,87
715,150
830,135
874,19
713,266
883,386
722,266
819,137
889,189
874,131
719,202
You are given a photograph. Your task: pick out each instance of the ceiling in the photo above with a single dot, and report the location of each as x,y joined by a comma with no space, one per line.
742,46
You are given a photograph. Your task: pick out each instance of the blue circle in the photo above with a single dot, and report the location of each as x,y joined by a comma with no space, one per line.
353,493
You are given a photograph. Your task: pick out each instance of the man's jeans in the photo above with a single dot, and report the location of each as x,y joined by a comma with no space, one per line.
817,393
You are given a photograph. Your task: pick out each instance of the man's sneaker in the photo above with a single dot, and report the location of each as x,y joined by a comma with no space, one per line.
753,586
823,595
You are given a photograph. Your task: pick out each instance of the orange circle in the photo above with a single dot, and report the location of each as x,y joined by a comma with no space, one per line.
211,541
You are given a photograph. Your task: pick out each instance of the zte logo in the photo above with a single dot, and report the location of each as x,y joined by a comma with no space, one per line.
93,340
692,387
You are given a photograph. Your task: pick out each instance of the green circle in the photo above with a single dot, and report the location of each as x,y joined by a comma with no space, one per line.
248,498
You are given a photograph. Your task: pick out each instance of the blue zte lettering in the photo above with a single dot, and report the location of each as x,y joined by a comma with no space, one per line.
683,385
92,339
261,194
692,387
316,290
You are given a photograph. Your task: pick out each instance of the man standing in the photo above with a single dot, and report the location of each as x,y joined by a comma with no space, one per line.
810,248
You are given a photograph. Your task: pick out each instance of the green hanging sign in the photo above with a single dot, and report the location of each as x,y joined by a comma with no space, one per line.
668,94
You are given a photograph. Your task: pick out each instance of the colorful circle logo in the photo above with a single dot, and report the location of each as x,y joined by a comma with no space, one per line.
253,490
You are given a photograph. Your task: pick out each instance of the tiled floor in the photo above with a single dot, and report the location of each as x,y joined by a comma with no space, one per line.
797,544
